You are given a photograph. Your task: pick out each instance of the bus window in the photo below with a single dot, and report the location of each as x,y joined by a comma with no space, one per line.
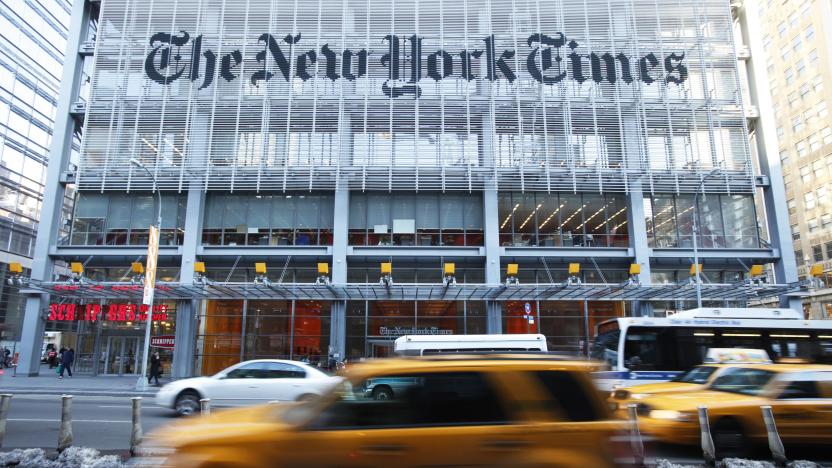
790,344
605,347
750,338
823,352
692,344
647,348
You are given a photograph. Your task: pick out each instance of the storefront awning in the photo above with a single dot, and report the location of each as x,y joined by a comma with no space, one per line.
417,291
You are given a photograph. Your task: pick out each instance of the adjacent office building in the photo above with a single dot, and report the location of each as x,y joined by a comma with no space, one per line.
475,149
33,37
798,42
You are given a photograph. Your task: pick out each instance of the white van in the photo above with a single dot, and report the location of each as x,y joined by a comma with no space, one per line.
419,345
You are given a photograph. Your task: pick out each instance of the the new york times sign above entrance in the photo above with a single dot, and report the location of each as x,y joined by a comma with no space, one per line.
548,58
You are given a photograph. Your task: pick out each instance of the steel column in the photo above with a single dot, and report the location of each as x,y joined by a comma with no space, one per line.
53,196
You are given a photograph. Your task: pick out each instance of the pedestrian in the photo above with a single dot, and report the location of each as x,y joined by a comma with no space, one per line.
67,358
155,368
52,356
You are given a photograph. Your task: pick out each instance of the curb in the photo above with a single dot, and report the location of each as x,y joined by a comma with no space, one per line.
77,392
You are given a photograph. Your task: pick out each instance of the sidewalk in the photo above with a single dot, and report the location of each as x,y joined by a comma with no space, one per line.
48,383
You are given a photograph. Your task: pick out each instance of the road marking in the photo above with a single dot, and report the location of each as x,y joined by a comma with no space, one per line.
74,420
128,406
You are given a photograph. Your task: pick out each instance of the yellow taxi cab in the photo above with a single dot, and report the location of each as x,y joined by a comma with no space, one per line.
717,360
800,396
448,411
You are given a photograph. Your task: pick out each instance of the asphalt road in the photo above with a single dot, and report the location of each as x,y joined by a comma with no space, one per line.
104,423
100,422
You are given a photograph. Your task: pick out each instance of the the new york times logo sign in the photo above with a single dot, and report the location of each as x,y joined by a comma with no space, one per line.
547,60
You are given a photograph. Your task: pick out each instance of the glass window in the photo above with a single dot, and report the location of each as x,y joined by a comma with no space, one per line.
800,390
789,76
743,381
740,221
697,375
797,43
279,370
810,32
817,252
809,200
247,371
568,398
414,400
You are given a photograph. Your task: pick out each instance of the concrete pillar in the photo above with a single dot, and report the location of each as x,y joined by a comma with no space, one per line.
53,196
774,196
338,330
340,236
638,242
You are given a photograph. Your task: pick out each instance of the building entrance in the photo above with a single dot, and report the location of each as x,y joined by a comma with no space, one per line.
120,355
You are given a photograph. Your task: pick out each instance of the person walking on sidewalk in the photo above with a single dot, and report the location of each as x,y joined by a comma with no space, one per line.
68,357
155,368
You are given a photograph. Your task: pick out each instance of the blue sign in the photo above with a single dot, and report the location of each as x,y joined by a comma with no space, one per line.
528,307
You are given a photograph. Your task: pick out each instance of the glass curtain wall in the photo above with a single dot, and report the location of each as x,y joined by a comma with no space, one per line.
422,219
294,219
566,325
563,220
725,221
373,325
234,331
122,219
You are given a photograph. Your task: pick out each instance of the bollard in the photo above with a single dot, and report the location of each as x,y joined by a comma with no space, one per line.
778,452
205,406
65,432
708,449
636,444
5,400
136,433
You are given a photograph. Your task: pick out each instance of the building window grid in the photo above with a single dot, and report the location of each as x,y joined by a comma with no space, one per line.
720,225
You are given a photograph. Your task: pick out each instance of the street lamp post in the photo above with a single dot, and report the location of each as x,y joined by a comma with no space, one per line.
698,280
150,275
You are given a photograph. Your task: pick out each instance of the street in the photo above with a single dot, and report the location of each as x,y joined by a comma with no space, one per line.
104,423
99,422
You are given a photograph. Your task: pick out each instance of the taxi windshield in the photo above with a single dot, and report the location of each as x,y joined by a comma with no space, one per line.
697,375
743,381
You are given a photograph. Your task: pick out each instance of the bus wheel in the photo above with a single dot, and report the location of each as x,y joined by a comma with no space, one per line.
729,439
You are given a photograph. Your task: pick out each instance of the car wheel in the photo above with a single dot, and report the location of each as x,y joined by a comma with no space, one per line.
382,392
729,439
307,397
187,403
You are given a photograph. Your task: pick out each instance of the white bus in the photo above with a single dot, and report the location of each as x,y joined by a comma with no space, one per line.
419,345
647,349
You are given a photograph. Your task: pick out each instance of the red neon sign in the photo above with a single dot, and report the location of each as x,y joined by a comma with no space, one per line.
114,312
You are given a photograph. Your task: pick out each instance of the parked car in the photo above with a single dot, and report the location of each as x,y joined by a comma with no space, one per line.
248,383
453,411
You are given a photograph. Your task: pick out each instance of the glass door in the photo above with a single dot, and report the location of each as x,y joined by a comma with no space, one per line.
120,355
